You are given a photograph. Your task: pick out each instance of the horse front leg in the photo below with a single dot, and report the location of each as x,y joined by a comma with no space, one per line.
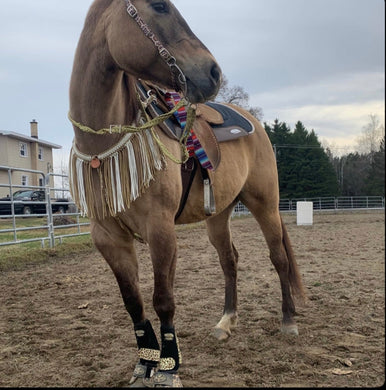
117,247
163,249
220,236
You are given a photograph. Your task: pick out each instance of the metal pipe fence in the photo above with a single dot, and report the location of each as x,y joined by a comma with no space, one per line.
15,228
17,225
326,204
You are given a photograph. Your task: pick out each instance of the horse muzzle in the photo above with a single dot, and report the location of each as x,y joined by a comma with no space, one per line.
202,86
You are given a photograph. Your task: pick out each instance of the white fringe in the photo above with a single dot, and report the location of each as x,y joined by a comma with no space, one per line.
133,172
151,158
147,175
120,206
157,158
80,184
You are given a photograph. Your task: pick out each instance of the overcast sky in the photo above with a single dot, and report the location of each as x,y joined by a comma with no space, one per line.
318,61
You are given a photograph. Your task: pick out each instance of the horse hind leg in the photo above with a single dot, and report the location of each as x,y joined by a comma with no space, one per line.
283,259
220,236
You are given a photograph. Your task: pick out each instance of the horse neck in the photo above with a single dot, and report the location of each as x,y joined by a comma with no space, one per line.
100,95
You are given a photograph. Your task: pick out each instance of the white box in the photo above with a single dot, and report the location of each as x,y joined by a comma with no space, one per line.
304,213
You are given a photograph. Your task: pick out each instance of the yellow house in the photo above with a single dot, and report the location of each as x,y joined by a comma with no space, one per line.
25,152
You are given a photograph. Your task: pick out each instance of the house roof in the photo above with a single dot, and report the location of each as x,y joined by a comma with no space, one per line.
26,138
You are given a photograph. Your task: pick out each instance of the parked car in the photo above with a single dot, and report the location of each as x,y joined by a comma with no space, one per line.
30,202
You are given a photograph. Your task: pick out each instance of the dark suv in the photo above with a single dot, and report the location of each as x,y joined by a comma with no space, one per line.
30,202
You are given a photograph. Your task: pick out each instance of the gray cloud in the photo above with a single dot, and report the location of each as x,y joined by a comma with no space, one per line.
294,57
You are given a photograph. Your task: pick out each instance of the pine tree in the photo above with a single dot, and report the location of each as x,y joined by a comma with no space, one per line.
355,170
375,182
304,167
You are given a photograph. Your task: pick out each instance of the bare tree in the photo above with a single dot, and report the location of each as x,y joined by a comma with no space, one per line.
372,134
238,96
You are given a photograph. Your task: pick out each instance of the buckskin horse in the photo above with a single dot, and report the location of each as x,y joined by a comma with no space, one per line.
125,172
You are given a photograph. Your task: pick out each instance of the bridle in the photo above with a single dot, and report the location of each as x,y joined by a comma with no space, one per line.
179,82
140,136
178,77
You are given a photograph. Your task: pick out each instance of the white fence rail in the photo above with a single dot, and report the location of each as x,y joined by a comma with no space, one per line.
326,204
51,230
15,220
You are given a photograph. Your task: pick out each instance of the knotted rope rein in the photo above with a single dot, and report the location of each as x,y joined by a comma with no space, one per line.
126,169
149,125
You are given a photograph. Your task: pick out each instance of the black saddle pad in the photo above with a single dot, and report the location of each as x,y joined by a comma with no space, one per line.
235,125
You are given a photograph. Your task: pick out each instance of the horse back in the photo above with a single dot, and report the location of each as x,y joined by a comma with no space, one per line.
247,164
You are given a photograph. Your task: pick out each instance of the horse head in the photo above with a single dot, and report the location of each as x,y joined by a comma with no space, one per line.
150,40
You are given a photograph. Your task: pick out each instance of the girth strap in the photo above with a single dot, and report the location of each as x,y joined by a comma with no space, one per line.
188,171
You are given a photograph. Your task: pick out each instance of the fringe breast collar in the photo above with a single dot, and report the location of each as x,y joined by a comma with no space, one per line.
120,174
104,185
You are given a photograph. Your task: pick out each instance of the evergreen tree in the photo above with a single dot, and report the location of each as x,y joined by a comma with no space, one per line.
375,182
279,134
304,167
355,170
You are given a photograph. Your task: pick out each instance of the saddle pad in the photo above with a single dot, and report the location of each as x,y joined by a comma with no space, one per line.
170,127
235,125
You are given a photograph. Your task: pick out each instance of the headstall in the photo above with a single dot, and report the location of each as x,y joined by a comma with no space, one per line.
171,61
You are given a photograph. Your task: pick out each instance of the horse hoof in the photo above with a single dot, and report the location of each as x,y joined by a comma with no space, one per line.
142,376
166,379
290,329
221,334
141,382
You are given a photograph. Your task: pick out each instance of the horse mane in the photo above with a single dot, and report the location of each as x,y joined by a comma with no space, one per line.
97,8
93,44
94,16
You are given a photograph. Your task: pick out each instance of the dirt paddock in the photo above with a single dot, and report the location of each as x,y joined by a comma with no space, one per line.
63,323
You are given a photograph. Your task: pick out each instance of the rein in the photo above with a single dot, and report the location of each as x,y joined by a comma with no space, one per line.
163,52
124,171
148,125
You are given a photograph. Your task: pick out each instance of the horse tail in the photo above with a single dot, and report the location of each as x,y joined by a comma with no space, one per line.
295,278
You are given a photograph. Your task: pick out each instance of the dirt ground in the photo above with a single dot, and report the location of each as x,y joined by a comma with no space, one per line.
63,323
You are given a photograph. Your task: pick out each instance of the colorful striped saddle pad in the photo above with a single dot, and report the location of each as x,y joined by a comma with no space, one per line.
215,123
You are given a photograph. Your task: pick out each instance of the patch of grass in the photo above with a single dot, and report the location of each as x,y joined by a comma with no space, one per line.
17,256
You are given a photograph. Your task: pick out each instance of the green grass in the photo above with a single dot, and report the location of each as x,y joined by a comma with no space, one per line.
17,256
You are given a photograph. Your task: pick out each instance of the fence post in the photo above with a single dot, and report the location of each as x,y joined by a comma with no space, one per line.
50,218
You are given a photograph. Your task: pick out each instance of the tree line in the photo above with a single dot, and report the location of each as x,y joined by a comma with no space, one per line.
307,169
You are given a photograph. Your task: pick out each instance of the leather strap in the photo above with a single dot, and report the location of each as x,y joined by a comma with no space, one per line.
188,171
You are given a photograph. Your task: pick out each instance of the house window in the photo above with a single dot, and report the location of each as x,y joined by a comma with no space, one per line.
23,149
40,154
24,180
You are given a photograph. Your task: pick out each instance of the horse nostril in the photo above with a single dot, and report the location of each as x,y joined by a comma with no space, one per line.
216,73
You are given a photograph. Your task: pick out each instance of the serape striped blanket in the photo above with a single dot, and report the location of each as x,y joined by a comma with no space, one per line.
193,144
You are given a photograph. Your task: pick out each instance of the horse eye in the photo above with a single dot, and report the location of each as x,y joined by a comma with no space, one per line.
160,7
